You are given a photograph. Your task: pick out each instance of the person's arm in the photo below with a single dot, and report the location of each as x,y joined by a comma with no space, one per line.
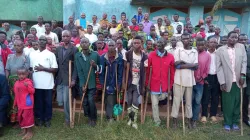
74,74
207,68
172,73
244,62
219,69
56,39
53,66
4,94
148,70
30,87
120,72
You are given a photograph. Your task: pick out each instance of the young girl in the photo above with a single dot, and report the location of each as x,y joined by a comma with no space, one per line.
24,101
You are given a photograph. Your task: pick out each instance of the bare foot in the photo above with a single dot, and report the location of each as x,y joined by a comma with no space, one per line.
28,135
22,133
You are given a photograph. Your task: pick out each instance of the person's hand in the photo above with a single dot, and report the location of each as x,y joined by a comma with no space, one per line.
14,107
195,66
84,90
25,84
92,62
223,87
242,80
39,68
206,82
72,84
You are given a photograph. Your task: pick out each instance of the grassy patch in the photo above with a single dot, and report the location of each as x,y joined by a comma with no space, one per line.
120,131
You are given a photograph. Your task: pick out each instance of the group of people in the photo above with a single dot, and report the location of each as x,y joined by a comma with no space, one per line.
195,62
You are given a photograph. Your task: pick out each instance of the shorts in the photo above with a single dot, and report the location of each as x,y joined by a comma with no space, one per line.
26,118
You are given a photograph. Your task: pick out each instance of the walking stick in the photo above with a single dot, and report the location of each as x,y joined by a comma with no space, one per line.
85,87
70,95
103,93
117,92
125,90
241,102
182,105
146,102
74,112
169,95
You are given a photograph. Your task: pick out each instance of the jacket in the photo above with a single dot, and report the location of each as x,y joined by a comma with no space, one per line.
129,58
5,51
160,70
111,75
4,99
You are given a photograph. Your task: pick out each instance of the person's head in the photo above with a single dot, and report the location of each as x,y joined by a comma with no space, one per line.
113,24
47,27
176,17
237,30
202,28
201,22
212,43
173,41
191,42
161,43
211,28
223,40
74,32
30,38
152,28
83,15
124,23
113,18
209,19
100,36
133,21
40,20
190,28
137,43
99,44
123,14
141,27
232,38
22,73
6,26
185,38
85,44
133,33
106,33
167,22
33,31
94,18
24,25
42,42
35,45
159,21
71,19
115,36
120,34
66,35
104,16
217,31
49,40
16,37
146,16
54,23
243,39
2,36
89,29
123,18
200,43
119,44
111,48
139,10
18,45
179,29
165,35
149,44
104,26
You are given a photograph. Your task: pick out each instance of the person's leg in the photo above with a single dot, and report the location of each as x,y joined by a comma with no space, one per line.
59,97
197,101
245,106
92,106
85,104
236,102
130,96
39,106
27,122
178,95
155,108
66,104
135,105
228,105
47,106
206,97
188,105
215,97
110,102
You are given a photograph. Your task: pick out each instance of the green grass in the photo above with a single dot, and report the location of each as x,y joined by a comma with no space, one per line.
120,131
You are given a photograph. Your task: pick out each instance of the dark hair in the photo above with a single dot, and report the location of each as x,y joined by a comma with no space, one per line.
113,16
200,40
90,26
100,33
224,36
148,41
123,13
243,35
185,34
159,19
176,14
120,30
179,25
138,37
165,32
22,68
232,32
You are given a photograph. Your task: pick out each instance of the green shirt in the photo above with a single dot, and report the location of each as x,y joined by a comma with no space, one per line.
82,65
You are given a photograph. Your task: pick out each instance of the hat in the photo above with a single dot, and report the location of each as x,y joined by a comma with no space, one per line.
2,32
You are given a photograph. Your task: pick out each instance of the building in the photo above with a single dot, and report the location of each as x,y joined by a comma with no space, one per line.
232,14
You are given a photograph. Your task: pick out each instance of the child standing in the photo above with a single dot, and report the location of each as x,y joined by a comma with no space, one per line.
24,101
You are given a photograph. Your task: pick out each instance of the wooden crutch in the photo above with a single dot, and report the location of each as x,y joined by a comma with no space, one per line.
103,93
146,102
125,90
70,96
117,92
169,95
142,97
74,111
241,113
85,87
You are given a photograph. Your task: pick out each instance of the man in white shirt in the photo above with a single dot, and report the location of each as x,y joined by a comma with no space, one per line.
44,65
176,23
92,37
94,24
210,32
50,34
40,27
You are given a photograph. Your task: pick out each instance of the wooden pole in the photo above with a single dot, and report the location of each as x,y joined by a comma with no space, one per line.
146,102
169,95
74,111
70,96
241,113
125,90
103,93
85,87
117,92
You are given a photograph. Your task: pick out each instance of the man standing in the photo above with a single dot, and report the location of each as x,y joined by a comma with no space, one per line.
40,27
231,66
64,54
200,75
83,61
8,32
50,34
176,23
4,52
216,35
24,32
94,24
161,62
211,31
71,25
82,24
92,37
139,16
147,23
44,65
57,30
243,39
186,61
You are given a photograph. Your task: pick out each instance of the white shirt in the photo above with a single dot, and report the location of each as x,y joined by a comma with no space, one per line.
175,24
27,50
92,37
53,36
42,79
95,27
112,31
158,30
136,68
212,69
40,29
209,34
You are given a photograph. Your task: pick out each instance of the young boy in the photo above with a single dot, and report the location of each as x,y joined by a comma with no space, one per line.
24,101
136,59
149,46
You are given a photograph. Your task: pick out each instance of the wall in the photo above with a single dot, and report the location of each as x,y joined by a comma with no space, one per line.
29,10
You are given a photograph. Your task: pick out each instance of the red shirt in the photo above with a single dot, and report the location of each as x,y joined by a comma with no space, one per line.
4,54
204,60
103,51
160,67
134,27
21,92
76,40
26,39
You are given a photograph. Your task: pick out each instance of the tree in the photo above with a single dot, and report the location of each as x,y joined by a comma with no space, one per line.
219,3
